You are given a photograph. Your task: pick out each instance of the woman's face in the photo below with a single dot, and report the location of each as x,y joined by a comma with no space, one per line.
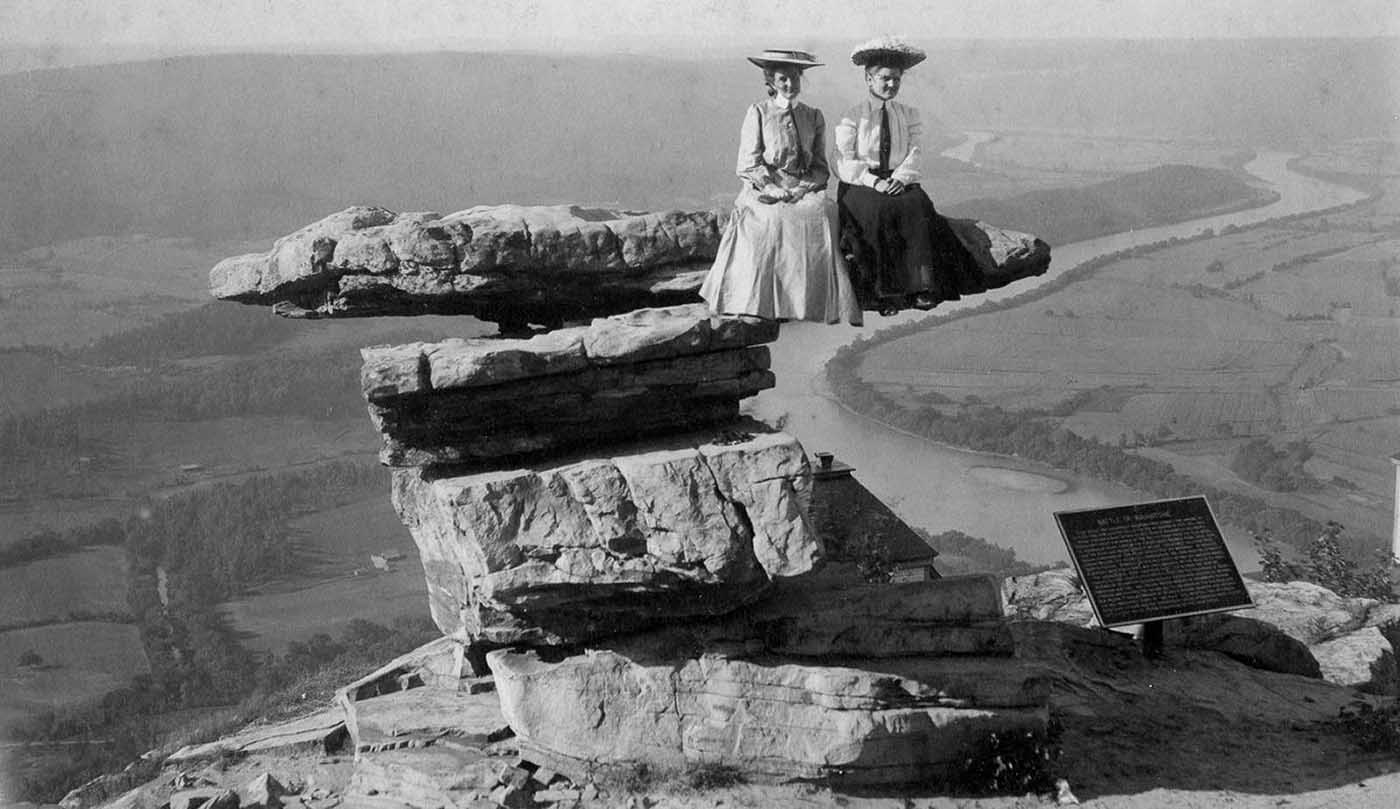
787,82
884,82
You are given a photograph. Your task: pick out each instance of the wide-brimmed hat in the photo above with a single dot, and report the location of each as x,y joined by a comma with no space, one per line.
778,57
891,51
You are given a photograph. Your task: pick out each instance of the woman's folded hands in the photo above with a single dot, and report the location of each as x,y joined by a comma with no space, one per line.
773,193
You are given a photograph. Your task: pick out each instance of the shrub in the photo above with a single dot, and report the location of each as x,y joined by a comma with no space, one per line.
713,776
1375,730
1011,762
1328,564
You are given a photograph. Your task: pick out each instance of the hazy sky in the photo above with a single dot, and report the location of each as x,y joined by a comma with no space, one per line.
601,24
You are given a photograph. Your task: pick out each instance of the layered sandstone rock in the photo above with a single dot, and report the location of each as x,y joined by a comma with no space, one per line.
516,264
689,525
836,681
507,263
770,719
833,618
642,373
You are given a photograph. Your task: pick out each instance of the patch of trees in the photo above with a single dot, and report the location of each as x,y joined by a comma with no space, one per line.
1325,561
46,544
1236,283
1276,469
217,540
982,556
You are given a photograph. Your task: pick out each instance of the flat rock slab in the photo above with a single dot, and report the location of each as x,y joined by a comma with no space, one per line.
515,264
646,372
685,526
504,263
441,775
439,663
769,719
422,715
323,732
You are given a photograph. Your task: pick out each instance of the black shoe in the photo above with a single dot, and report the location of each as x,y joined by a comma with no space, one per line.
888,310
925,301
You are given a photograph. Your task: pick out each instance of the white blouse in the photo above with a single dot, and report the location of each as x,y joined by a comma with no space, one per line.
858,142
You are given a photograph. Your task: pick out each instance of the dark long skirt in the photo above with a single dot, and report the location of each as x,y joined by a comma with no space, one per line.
901,248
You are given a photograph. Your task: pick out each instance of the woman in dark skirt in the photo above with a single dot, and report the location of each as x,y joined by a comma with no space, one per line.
903,252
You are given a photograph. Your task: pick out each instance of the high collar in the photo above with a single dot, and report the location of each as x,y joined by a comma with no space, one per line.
783,102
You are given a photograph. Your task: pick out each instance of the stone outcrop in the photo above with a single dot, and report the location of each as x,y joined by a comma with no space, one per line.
1295,627
505,263
321,732
517,265
690,525
771,719
643,373
826,680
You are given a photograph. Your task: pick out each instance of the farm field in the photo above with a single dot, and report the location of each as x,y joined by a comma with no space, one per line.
271,618
339,541
90,582
35,380
1285,332
337,583
232,447
82,660
74,292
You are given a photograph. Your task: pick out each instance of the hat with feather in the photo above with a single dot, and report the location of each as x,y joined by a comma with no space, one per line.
887,51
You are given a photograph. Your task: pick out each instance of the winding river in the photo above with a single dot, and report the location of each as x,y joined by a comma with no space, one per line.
1004,500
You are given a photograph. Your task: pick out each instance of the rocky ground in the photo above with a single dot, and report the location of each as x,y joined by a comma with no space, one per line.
1193,729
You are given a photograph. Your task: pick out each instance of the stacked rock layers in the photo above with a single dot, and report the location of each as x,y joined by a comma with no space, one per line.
592,480
881,715
643,373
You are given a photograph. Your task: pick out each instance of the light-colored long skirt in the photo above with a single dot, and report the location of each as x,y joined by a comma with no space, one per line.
780,260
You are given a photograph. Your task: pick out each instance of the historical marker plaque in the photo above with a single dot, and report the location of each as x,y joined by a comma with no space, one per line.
1151,561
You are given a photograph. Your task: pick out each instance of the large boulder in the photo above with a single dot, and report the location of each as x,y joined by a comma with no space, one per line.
1002,255
515,264
689,525
642,373
1051,595
767,719
1295,627
1250,641
1351,638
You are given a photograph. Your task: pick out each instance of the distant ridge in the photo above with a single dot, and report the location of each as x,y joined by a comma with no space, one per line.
242,145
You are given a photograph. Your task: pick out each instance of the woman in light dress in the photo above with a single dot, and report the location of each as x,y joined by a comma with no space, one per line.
778,258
